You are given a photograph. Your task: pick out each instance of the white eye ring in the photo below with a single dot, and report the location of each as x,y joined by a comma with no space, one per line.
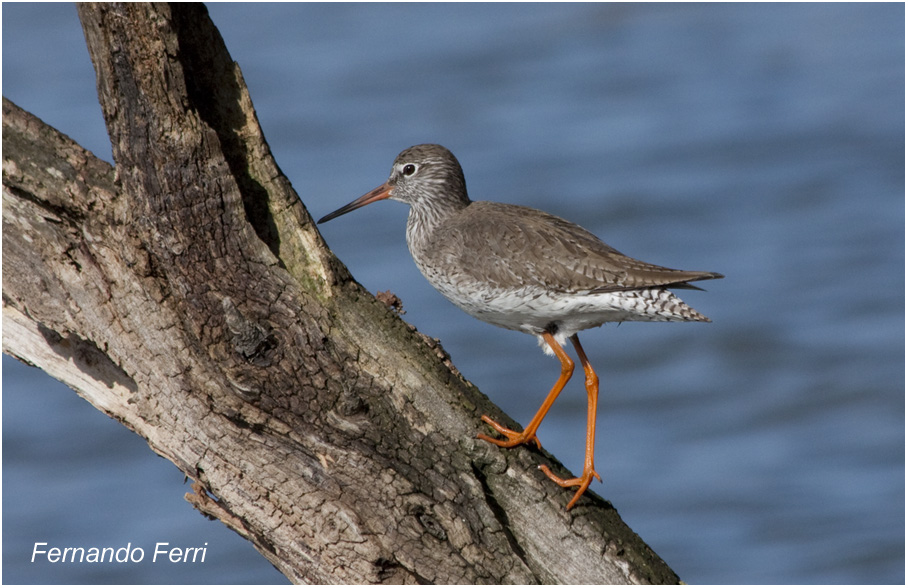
408,169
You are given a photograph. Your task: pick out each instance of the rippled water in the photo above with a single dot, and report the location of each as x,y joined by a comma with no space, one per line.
765,142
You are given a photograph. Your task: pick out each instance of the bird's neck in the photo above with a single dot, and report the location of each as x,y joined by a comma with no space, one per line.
426,216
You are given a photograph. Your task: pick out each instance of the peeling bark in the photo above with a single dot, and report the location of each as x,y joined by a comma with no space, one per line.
187,293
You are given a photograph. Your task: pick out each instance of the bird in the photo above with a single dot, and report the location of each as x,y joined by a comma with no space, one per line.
526,270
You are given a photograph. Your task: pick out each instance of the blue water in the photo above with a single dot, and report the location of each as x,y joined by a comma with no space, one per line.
763,141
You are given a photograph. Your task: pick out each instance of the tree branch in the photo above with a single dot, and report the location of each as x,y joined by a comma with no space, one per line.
188,294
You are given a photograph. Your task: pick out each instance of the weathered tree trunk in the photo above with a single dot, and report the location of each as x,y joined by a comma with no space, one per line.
187,293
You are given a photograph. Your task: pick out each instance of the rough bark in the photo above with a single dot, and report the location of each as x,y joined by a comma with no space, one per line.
187,293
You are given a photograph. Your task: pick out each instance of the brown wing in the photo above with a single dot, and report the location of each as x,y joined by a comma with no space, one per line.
524,247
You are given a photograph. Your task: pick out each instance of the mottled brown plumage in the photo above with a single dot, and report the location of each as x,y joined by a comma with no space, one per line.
526,270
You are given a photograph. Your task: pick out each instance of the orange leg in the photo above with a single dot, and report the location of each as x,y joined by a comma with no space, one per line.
592,392
529,434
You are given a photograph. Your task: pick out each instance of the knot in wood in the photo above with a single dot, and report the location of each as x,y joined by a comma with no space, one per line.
250,339
431,525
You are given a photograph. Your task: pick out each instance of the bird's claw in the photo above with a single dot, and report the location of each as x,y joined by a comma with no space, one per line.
513,437
583,482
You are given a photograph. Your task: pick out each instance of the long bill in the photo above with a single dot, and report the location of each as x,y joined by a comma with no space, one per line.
380,193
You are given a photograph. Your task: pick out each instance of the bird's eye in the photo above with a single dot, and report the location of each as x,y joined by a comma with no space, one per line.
409,169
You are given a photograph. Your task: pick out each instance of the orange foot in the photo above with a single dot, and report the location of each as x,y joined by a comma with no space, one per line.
583,481
514,438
